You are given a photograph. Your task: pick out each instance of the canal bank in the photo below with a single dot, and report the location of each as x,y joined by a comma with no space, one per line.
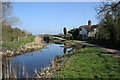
38,60
83,61
32,44
88,62
78,61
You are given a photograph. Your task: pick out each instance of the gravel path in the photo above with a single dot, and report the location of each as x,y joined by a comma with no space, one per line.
37,43
38,38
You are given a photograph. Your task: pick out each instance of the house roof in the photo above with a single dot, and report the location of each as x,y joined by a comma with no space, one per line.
89,28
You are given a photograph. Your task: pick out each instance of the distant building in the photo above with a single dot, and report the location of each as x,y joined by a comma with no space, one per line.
88,30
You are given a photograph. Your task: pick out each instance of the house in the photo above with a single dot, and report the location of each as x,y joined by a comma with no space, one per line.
88,30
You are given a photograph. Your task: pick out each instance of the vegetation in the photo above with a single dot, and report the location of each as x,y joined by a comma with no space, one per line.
22,41
109,27
11,34
7,17
8,20
75,33
10,71
54,38
65,31
88,63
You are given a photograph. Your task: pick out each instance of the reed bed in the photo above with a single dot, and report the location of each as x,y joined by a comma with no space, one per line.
10,71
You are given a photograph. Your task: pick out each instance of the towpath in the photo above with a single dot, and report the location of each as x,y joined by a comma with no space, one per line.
110,51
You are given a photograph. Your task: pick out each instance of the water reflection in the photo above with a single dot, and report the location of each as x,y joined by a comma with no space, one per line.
65,50
46,42
34,60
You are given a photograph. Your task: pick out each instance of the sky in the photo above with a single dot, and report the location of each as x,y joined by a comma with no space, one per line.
52,17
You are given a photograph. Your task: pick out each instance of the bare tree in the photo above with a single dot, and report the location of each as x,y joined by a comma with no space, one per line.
7,18
6,11
109,16
106,8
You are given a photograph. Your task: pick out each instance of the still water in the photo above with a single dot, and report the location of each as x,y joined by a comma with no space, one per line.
35,60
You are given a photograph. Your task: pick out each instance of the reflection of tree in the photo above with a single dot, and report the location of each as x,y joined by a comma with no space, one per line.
65,49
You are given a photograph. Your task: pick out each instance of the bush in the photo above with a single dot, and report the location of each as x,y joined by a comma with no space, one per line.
75,33
11,34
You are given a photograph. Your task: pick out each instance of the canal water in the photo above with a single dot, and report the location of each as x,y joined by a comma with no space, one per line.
34,60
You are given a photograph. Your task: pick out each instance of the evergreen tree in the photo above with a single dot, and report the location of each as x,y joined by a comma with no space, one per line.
65,31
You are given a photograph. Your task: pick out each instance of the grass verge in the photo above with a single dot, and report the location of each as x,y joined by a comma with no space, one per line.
10,45
87,63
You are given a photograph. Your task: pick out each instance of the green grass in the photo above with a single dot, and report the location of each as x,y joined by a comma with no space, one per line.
89,63
54,38
18,43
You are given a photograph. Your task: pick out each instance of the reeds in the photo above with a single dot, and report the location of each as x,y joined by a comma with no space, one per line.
10,71
14,70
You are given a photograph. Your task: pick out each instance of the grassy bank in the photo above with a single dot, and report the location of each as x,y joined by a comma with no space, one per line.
29,44
10,45
87,63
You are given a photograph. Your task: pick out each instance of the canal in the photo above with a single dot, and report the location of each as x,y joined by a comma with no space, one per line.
25,64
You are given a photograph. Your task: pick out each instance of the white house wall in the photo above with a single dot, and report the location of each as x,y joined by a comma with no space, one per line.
83,32
95,30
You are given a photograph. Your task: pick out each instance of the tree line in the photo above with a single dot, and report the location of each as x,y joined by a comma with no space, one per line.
109,25
8,20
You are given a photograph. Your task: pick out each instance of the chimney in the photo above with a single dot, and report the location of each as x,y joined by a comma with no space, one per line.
89,23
